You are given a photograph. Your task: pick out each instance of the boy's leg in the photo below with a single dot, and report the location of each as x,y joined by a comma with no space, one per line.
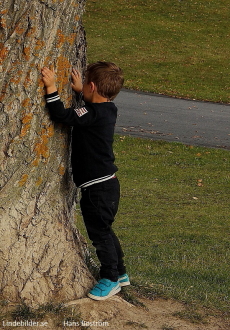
120,265
99,204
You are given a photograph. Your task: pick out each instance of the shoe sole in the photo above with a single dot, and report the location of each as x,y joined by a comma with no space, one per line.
112,293
124,283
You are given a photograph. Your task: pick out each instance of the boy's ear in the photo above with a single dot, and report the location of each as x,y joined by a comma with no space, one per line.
92,86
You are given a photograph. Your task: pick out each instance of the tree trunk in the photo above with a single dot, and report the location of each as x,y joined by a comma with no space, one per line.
41,253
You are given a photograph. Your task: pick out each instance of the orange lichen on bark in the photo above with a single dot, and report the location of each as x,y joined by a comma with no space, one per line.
41,148
55,1
3,54
17,77
26,120
23,180
68,101
38,182
61,170
3,93
40,86
26,53
26,117
26,102
19,29
63,69
32,30
24,130
28,80
39,44
26,126
60,38
50,130
35,162
71,38
3,23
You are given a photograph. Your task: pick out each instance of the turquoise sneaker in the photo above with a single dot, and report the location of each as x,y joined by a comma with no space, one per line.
104,289
123,280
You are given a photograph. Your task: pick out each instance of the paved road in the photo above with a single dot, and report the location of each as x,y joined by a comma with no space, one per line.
165,118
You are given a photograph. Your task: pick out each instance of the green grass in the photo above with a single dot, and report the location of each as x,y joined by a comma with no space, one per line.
173,220
178,48
175,228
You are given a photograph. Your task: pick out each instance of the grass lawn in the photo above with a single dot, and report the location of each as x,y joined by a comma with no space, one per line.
178,48
174,221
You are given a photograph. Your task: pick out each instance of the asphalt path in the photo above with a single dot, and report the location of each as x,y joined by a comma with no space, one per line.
165,118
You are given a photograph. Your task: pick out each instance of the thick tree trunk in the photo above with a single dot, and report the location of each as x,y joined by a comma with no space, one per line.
41,254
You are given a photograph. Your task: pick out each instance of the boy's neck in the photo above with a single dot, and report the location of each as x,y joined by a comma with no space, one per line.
96,98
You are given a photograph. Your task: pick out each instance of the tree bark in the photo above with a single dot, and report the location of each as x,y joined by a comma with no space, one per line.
41,252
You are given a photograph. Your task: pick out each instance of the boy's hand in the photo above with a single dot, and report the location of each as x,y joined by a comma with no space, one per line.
48,77
76,81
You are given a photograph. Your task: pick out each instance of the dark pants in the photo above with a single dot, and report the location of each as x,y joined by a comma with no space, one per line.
99,205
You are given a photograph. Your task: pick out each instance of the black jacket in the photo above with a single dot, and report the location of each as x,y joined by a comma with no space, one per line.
92,137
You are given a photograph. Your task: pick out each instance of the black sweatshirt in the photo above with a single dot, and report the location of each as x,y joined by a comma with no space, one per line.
92,138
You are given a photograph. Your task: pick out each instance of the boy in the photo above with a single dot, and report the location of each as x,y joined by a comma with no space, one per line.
93,163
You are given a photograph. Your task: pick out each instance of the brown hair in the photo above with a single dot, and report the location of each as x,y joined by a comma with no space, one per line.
107,77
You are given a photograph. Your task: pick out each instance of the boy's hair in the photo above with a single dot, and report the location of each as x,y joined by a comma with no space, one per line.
107,77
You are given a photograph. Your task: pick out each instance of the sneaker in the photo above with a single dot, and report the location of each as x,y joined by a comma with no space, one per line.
123,280
104,289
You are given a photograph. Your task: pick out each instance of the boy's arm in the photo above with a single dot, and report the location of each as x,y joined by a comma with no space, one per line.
58,113
48,78
56,107
77,86
76,81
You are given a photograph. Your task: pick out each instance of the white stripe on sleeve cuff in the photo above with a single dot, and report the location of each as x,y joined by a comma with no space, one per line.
53,99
